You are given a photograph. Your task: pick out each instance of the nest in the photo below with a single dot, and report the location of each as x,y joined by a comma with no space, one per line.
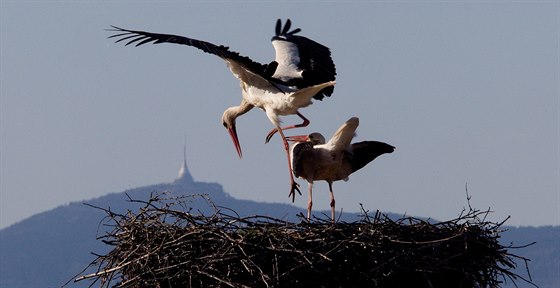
166,244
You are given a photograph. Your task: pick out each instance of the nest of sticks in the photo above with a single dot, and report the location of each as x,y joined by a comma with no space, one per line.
167,244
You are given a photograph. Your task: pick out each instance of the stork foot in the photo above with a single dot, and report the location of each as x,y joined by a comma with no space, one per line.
276,129
270,134
295,187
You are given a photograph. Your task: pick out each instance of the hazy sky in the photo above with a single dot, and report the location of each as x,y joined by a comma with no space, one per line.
468,92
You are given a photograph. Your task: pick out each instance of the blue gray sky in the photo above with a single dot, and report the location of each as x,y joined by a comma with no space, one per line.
468,92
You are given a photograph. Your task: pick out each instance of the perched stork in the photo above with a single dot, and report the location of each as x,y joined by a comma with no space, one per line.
303,69
314,159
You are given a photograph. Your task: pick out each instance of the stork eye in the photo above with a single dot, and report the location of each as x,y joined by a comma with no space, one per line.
225,124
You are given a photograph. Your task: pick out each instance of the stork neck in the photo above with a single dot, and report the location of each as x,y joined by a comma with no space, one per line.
243,108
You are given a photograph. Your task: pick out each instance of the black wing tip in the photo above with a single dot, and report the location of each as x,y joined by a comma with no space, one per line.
367,151
383,147
280,31
278,26
389,149
326,92
133,36
116,29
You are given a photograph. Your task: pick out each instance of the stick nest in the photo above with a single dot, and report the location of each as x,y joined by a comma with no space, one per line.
166,244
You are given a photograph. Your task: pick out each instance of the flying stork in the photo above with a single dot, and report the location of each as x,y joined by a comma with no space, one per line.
303,69
315,159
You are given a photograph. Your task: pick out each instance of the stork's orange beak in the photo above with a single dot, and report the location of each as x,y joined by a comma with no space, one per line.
233,134
298,138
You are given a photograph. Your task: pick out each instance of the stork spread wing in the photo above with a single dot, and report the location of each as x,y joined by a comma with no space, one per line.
301,61
343,136
143,37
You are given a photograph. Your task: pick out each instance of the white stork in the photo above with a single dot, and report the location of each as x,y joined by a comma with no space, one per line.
313,159
303,69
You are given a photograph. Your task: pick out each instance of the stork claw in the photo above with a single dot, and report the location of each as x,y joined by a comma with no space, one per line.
270,134
295,187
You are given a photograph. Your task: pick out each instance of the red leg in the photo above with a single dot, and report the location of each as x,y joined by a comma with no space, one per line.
294,185
310,200
332,201
273,131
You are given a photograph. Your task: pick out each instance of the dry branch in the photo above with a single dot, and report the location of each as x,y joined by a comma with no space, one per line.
166,244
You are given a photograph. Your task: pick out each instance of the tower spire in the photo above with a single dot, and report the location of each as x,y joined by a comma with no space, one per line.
184,174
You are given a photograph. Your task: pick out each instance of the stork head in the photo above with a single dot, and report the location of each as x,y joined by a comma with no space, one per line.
315,138
228,120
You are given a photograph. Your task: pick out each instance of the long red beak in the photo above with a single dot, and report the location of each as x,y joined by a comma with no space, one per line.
298,138
233,133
